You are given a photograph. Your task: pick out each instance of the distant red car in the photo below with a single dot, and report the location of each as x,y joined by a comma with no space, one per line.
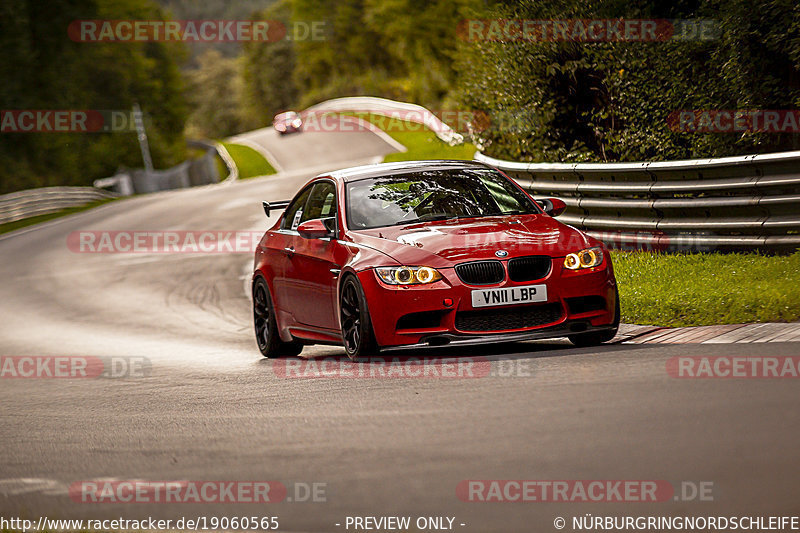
287,122
426,253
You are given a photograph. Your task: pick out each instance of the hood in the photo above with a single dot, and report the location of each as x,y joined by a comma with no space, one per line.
446,243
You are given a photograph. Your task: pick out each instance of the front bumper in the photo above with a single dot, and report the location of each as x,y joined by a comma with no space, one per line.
417,315
448,339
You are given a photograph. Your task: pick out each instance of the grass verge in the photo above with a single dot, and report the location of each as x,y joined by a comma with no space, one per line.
17,224
249,162
705,289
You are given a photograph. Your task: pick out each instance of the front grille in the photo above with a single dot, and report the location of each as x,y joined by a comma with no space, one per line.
529,316
529,268
481,272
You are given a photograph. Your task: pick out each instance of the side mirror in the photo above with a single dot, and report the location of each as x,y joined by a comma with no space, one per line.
314,229
552,206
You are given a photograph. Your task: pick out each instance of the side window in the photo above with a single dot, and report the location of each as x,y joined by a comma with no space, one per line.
293,213
321,203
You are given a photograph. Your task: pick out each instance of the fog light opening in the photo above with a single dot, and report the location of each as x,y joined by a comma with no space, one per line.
437,341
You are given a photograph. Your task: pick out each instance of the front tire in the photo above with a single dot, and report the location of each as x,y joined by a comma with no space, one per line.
595,338
357,334
266,327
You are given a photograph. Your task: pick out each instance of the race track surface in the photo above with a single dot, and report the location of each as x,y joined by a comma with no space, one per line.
211,408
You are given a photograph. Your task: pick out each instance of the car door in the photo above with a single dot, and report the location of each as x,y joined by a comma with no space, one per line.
313,271
280,249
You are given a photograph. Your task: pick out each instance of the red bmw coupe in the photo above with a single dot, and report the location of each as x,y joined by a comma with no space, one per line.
397,255
288,122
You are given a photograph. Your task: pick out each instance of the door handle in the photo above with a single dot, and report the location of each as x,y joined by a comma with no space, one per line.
289,250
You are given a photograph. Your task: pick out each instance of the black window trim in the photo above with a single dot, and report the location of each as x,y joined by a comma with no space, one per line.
308,187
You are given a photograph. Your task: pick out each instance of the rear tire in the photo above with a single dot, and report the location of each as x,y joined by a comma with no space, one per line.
595,338
266,327
357,334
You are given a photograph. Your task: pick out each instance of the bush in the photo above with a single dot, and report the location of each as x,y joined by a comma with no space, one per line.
610,101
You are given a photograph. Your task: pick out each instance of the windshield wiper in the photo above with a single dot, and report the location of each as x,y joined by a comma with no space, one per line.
431,218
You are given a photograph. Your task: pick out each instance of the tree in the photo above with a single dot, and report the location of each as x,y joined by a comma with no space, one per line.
214,91
268,72
576,101
45,70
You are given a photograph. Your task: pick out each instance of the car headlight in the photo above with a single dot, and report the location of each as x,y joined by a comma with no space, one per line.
588,258
405,275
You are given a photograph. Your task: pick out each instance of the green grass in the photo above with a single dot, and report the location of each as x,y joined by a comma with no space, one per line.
421,142
17,224
249,162
222,168
705,289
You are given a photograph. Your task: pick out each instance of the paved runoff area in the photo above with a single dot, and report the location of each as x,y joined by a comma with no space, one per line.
724,334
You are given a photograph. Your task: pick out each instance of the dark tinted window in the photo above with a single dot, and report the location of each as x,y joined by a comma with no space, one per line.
433,195
295,210
321,203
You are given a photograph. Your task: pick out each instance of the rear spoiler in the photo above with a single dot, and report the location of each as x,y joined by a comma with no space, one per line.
269,206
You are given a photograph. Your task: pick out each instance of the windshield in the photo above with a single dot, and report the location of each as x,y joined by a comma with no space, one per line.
433,195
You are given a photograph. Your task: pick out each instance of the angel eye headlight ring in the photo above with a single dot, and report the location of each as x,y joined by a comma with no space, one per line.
404,276
588,258
425,274
572,262
407,275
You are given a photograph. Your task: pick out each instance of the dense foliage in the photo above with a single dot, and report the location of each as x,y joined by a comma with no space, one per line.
612,100
552,100
42,69
402,49
546,101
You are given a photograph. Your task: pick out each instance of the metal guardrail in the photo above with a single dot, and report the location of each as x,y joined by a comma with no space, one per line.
737,202
33,202
230,164
190,173
731,202
391,109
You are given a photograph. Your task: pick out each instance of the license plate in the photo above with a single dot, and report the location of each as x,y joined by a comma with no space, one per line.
509,296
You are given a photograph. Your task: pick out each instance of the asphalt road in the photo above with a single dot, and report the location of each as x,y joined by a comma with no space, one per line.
319,147
210,408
